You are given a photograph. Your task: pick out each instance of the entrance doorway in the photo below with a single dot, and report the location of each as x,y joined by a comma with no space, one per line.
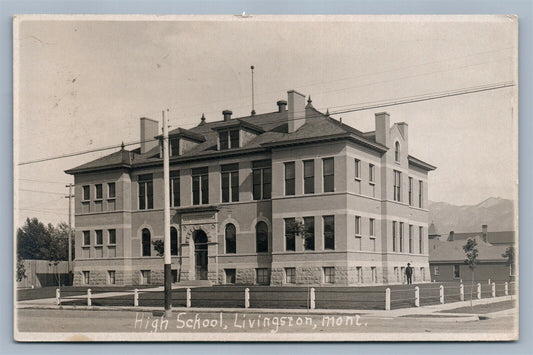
200,254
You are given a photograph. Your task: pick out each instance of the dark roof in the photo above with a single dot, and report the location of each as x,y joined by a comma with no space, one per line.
452,251
507,237
270,128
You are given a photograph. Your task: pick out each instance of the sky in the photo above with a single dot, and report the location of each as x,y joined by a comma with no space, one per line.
83,84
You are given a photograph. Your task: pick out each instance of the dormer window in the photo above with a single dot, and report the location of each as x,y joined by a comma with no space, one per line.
397,152
174,147
229,139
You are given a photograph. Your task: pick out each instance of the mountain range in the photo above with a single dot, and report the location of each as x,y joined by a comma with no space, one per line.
497,213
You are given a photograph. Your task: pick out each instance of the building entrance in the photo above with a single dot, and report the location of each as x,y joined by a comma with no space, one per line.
200,254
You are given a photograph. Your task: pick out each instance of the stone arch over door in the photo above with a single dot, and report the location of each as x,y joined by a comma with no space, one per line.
188,234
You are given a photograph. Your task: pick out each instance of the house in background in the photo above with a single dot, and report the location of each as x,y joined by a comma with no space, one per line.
446,256
237,187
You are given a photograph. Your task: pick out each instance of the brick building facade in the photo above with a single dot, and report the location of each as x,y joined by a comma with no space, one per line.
288,197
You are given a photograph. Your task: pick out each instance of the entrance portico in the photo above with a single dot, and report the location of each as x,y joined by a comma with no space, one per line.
199,244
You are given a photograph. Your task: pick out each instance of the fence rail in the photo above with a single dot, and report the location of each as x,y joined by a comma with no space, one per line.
310,298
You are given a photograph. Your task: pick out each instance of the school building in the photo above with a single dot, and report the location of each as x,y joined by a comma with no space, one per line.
287,197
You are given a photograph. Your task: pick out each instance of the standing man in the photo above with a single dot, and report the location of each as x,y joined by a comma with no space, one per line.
409,274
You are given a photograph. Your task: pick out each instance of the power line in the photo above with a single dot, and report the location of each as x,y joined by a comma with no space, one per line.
44,181
393,102
43,192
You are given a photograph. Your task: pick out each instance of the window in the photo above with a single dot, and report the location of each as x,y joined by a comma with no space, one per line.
290,242
371,227
263,276
420,191
229,139
420,244
174,274
436,271
329,275
309,176
397,152
373,270
309,227
372,244
289,178
98,191
329,174
173,241
146,277
111,277
175,188
329,232
111,193
200,186
401,238
86,193
397,274
174,147
359,274
290,275
86,238
261,237
357,225
230,182
371,172
146,243
423,273
262,179
457,271
99,237
230,276
357,169
410,239
231,239
397,182
112,236
394,235
410,191
86,277
146,192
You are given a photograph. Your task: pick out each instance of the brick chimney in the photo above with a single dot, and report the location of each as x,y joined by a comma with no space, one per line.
451,236
296,117
484,233
382,128
282,105
227,115
149,129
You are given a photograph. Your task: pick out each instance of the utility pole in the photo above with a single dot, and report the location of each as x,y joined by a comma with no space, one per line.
166,184
70,197
253,104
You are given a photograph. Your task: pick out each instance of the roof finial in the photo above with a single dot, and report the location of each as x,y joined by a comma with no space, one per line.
122,146
202,119
327,112
309,100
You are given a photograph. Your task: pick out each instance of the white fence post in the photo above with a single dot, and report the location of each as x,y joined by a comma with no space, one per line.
489,282
135,298
417,296
246,297
441,294
188,302
312,298
478,291
507,289
462,292
58,296
493,289
387,299
89,301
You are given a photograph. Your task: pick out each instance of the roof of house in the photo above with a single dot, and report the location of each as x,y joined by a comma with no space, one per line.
271,129
505,237
452,251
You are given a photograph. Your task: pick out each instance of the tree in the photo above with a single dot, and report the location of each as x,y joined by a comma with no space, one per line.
509,255
159,247
471,251
21,270
33,240
58,247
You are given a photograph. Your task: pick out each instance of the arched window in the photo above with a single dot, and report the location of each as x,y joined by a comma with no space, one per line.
173,241
146,243
397,151
231,239
261,237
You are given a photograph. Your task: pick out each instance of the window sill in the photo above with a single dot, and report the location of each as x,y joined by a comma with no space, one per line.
372,237
357,179
111,245
111,198
99,246
86,246
372,183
